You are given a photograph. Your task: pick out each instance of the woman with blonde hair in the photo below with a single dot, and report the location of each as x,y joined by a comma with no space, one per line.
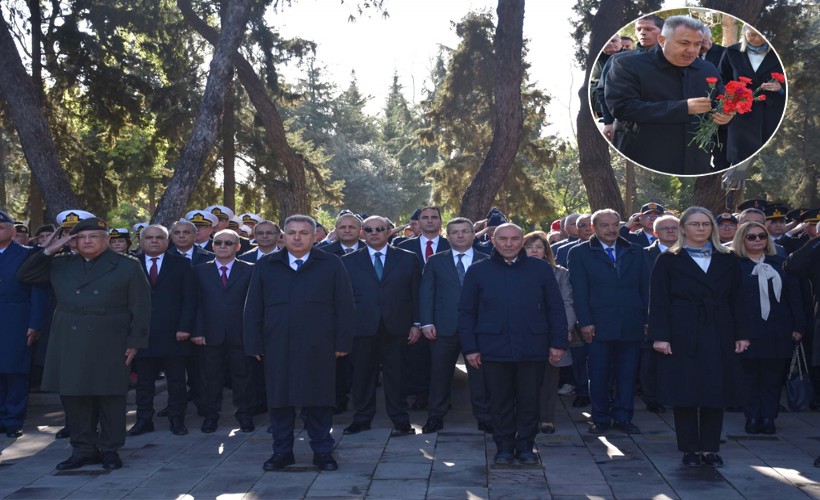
695,321
774,319
537,246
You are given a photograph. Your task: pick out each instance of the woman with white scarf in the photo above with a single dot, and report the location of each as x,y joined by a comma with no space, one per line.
774,321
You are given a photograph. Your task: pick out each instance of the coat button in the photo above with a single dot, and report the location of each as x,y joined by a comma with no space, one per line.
74,327
96,292
77,292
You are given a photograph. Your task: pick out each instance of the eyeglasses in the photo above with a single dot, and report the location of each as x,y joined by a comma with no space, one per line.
219,243
707,224
727,226
758,236
377,229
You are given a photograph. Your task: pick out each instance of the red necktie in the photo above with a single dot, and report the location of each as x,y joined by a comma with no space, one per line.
224,270
154,270
429,251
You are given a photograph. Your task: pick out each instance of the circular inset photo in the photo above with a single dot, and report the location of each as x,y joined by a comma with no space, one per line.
688,92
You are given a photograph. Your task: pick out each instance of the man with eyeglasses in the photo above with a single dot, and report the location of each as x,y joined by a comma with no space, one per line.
266,235
727,227
385,283
102,319
583,227
223,285
173,317
645,236
183,234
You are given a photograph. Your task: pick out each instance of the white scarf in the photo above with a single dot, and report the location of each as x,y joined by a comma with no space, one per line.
764,273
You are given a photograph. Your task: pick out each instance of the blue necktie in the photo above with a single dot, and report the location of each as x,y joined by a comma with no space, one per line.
377,263
298,263
611,252
460,268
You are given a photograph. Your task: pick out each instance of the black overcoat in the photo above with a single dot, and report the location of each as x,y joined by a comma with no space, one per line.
220,308
805,263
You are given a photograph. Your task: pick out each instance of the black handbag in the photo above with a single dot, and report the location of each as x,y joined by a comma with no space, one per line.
799,388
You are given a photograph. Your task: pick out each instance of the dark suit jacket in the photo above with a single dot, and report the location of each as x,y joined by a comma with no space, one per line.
219,316
648,95
393,300
251,255
640,238
336,248
173,306
440,292
715,53
199,256
805,263
611,296
414,245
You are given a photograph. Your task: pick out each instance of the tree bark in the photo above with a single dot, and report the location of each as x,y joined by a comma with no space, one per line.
20,94
509,114
35,199
294,198
747,11
595,162
206,126
229,152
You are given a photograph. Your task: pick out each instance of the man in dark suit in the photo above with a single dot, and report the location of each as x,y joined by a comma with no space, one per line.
439,295
610,287
385,283
583,229
98,291
511,322
266,235
183,233
644,236
23,309
205,223
710,51
173,316
568,226
299,317
223,286
657,95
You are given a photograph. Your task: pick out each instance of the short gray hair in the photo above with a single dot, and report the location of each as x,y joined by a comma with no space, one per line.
672,23
229,232
301,218
662,219
183,222
604,211
154,226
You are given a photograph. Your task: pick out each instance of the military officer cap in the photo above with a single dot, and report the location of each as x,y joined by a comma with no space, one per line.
726,217
811,216
795,214
119,232
4,218
415,215
758,204
138,227
45,228
245,230
70,218
364,216
652,207
251,218
90,224
495,218
20,227
221,211
202,218
775,211
234,222
345,212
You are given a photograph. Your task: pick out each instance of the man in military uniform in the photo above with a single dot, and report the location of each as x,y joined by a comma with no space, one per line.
102,319
205,223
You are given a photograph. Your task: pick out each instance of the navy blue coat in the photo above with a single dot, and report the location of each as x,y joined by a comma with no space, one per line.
440,292
336,248
771,338
21,307
220,308
612,296
511,313
648,94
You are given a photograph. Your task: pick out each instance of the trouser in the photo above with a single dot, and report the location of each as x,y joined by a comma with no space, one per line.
318,421
147,370
368,354
649,375
514,388
698,428
443,355
416,369
549,393
193,380
579,370
764,379
213,360
344,372
619,360
84,413
13,399
479,395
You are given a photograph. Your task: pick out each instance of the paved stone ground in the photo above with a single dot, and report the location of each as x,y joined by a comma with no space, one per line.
454,463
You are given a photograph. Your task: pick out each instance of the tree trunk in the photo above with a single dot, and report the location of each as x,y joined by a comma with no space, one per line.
595,162
229,152
20,94
747,11
509,114
206,126
294,198
35,199
709,193
3,169
728,26
629,189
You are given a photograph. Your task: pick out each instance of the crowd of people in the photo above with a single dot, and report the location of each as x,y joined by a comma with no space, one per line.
694,311
651,99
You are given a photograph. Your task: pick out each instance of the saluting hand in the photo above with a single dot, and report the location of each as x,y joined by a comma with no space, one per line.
56,241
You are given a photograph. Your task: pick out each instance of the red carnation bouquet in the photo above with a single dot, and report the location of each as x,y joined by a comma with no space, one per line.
737,99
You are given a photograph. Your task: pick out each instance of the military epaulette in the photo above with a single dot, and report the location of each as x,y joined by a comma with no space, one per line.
127,256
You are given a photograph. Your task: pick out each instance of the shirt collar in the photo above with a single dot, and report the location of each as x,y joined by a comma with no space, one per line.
372,251
292,259
229,265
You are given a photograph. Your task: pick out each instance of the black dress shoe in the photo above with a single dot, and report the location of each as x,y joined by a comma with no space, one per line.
712,459
77,461
141,427
598,429
403,429
279,461
655,408
485,427
580,402
63,433
14,432
246,425
527,458
691,459
356,427
111,460
209,425
163,412
325,461
504,458
178,427
767,426
547,428
432,425
627,427
752,426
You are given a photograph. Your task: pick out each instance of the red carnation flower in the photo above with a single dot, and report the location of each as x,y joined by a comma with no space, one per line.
744,80
761,97
780,77
711,80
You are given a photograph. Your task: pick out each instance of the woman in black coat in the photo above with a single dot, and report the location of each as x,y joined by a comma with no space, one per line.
753,58
774,320
695,310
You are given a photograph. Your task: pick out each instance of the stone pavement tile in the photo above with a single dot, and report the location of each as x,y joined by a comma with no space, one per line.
399,470
343,479
460,449
365,453
530,475
459,473
37,493
398,489
409,455
582,490
519,492
573,474
458,492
